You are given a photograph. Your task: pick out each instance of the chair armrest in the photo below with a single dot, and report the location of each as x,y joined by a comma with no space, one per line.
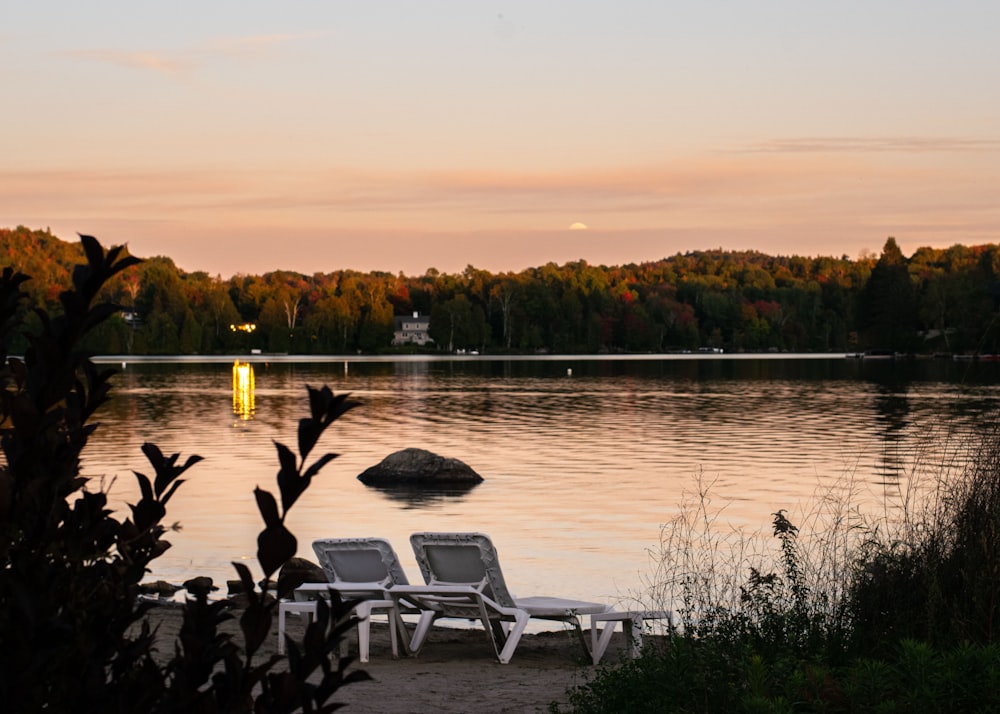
355,591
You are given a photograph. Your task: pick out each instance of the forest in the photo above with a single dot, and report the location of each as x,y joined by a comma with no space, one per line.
937,301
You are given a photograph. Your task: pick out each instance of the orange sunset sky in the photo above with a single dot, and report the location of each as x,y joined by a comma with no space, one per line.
401,136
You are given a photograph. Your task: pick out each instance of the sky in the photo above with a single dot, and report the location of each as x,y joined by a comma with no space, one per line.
309,135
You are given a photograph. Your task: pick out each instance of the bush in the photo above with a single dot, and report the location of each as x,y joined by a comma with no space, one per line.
938,579
898,615
72,628
699,676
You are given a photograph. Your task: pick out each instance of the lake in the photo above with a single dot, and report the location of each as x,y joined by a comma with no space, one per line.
583,458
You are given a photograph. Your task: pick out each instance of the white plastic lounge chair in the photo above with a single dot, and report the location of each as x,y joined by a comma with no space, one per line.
463,580
357,568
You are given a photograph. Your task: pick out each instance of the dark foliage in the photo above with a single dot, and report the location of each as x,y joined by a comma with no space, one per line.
702,676
916,632
941,584
72,627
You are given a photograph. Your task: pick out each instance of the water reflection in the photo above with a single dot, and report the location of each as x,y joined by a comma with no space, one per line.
243,390
591,462
422,496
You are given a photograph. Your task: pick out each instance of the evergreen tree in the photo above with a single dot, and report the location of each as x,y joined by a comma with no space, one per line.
888,310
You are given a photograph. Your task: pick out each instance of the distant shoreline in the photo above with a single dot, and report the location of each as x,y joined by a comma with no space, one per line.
293,359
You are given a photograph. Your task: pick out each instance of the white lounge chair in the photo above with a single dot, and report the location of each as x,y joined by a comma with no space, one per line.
463,580
359,569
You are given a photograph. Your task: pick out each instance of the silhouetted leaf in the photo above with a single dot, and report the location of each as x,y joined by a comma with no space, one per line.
275,545
153,455
93,250
309,433
147,513
286,458
268,507
246,578
100,313
319,401
324,408
170,491
292,486
255,622
339,406
166,468
290,483
145,487
318,464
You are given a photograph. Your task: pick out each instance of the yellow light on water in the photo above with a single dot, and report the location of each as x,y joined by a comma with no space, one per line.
243,383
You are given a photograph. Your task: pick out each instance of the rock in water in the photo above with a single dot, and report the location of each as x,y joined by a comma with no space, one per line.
415,467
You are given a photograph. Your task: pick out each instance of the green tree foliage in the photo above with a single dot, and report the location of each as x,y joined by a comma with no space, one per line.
458,324
937,300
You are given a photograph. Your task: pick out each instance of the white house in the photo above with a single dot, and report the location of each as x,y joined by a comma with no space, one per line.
412,330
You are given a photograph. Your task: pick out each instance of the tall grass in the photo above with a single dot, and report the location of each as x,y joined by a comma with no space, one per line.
841,607
936,578
779,586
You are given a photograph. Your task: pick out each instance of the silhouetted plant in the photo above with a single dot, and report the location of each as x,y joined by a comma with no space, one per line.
73,636
938,579
914,630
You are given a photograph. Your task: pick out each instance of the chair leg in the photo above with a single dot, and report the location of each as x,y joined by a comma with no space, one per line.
393,632
364,612
281,629
599,643
633,624
501,630
305,608
399,632
420,633
513,637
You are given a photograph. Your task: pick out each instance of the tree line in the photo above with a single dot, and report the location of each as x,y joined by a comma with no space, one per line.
937,300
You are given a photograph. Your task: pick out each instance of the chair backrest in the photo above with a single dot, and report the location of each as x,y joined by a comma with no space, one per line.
359,563
461,559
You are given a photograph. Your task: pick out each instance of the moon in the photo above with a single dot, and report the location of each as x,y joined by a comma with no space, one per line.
578,226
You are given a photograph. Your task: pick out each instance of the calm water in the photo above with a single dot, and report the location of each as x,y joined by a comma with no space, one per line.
583,460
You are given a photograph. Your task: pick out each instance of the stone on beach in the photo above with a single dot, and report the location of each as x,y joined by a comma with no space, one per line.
416,467
298,571
201,584
160,588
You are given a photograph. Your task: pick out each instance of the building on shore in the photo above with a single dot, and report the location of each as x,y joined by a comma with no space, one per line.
413,330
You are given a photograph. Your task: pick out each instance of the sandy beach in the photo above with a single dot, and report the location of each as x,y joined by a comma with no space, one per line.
456,670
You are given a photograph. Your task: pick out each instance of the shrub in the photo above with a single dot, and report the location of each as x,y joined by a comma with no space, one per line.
894,615
72,629
702,676
938,579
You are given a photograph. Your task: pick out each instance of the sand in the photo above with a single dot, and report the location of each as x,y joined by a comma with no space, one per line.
456,670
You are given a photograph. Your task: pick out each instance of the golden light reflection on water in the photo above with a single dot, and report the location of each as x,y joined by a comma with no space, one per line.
243,384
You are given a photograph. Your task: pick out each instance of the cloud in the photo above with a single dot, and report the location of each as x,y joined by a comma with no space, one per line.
175,62
158,62
840,144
